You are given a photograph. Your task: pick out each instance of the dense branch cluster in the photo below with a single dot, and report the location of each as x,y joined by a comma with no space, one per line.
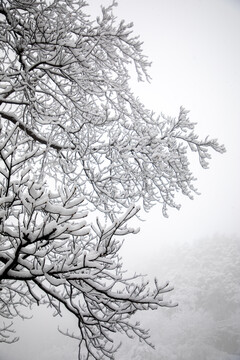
64,80
49,255
69,121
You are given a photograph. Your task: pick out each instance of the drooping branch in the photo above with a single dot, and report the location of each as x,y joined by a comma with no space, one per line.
6,333
36,137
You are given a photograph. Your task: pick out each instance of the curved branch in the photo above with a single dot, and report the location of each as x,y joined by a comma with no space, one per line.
32,134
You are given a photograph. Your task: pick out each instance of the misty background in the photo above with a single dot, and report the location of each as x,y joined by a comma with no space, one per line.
194,46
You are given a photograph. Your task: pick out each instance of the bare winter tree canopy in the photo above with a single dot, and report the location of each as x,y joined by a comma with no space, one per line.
76,143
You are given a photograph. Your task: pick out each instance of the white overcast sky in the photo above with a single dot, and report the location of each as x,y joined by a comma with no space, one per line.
194,46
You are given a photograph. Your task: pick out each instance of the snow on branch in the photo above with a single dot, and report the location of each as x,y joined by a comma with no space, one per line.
70,96
49,254
76,144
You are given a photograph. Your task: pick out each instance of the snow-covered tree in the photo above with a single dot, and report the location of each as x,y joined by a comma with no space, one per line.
206,323
75,143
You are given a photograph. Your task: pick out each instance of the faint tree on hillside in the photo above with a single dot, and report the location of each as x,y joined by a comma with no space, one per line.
206,323
76,143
